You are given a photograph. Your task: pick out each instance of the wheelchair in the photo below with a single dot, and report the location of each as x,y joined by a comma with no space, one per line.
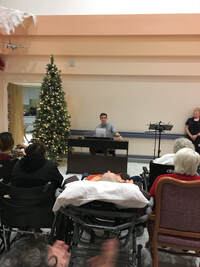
155,170
86,227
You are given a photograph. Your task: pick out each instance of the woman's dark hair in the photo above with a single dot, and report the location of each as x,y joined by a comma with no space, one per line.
6,141
36,149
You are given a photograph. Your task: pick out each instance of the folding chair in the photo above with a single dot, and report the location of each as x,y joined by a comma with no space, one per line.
6,167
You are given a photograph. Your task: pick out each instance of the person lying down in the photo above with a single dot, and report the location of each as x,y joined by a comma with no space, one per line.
108,177
108,187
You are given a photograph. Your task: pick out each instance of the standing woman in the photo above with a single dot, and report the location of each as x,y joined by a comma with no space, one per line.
192,128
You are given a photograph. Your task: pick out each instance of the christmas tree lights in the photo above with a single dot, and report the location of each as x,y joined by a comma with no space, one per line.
52,124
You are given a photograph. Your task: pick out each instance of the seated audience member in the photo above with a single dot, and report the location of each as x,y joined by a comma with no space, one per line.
168,159
186,162
6,145
35,170
7,161
35,252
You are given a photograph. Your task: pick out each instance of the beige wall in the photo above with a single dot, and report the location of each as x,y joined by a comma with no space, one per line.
135,79
131,102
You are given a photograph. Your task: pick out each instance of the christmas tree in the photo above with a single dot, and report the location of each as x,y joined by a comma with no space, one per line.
52,124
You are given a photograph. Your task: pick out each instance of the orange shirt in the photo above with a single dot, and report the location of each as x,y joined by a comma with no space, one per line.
97,177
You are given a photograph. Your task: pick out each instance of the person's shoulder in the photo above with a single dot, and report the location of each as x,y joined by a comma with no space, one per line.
4,156
190,120
99,125
167,159
196,177
49,163
108,124
165,175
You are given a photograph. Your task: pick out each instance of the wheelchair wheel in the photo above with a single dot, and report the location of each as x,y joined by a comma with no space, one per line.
139,256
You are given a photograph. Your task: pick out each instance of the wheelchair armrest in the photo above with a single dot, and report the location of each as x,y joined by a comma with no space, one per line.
150,206
144,218
145,177
145,170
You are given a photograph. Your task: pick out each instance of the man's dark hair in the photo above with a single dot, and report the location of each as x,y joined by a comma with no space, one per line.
35,149
6,141
27,252
103,114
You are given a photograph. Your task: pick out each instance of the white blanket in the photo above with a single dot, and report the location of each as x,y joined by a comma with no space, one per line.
81,192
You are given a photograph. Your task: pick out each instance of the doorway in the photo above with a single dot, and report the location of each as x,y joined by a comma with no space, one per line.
22,107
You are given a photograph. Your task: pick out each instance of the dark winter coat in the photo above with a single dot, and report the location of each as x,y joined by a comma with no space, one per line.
35,171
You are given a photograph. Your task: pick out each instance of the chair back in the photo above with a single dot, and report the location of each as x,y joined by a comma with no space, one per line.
6,167
156,170
27,207
177,206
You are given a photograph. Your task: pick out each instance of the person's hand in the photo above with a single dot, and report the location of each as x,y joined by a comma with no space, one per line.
60,251
20,146
193,137
18,153
107,258
119,136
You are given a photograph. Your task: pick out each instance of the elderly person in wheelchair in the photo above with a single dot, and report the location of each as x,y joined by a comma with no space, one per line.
98,209
108,176
186,162
164,164
168,159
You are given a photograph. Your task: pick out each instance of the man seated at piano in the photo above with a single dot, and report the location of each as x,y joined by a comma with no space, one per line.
105,130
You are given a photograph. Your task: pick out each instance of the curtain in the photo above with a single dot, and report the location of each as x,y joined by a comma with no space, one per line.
3,106
16,112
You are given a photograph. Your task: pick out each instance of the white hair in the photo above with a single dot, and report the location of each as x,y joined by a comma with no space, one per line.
181,143
186,161
197,108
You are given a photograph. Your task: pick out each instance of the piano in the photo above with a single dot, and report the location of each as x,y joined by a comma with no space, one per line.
85,162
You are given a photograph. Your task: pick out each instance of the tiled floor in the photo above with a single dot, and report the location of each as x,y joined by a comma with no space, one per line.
165,260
